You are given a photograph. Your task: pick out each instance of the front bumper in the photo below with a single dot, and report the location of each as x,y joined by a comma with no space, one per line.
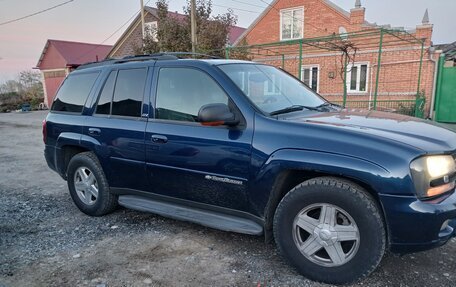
414,225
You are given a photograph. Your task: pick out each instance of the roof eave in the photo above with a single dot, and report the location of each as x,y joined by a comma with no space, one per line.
40,60
258,19
338,9
124,34
330,4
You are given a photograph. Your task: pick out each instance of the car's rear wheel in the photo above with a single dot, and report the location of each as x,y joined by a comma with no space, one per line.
331,230
88,186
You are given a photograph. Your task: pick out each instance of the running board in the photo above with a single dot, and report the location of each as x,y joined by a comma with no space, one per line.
209,218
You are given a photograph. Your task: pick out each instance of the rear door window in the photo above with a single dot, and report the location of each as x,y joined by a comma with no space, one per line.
73,94
129,92
104,102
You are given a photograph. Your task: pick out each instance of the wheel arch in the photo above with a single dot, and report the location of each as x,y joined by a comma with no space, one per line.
323,230
67,152
70,144
295,172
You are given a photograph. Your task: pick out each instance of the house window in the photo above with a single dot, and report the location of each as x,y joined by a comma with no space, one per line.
291,23
272,87
151,30
357,77
310,76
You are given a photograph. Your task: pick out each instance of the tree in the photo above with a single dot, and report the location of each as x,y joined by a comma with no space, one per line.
27,87
241,51
174,34
29,78
32,88
10,86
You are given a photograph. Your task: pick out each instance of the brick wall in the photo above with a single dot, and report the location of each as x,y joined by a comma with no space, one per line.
319,20
398,78
133,38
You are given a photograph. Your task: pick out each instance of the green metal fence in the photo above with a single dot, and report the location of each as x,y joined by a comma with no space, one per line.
445,105
413,108
338,58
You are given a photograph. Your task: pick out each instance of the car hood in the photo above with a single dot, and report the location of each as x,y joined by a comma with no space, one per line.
421,134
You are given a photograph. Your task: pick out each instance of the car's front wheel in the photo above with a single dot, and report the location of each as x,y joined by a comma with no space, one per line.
88,185
331,230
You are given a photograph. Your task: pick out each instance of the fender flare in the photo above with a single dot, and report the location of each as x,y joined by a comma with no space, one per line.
324,162
68,139
269,180
72,139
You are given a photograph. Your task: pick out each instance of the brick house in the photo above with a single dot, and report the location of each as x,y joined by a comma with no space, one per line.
287,20
132,37
59,58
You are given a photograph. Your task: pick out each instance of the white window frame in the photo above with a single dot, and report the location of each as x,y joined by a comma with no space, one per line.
301,8
148,26
311,75
275,86
358,78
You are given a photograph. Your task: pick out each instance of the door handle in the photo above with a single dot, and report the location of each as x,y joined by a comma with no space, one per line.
94,131
159,139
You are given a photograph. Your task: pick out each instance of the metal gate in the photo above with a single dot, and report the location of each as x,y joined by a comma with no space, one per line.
445,106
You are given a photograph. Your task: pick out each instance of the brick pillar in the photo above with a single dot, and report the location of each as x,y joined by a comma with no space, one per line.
357,16
425,32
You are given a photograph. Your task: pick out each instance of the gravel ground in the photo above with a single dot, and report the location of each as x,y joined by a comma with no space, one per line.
46,241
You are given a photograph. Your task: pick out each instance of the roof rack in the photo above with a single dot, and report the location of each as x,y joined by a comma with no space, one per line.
177,54
150,57
139,58
95,64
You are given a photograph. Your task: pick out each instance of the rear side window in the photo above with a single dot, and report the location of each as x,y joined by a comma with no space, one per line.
104,103
74,92
129,92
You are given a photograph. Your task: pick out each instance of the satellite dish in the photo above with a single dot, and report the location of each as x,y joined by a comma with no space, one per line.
343,33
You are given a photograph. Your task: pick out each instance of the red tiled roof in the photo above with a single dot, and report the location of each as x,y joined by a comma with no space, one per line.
176,15
77,53
235,33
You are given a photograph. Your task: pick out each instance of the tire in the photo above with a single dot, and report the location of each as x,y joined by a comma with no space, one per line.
88,186
352,231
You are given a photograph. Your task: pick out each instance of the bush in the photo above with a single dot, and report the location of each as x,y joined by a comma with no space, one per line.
26,89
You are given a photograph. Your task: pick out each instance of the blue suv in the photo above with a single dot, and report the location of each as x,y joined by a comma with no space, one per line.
245,147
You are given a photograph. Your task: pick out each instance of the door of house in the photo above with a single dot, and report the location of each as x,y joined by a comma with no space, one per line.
445,108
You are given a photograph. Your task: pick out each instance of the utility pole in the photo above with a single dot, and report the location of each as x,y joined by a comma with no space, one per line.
142,21
193,22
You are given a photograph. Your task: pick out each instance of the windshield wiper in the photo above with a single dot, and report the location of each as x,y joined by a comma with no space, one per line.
294,108
328,104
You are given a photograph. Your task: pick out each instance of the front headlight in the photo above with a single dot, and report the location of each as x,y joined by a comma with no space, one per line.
433,175
440,165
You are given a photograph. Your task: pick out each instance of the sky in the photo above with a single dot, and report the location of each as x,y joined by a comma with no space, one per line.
93,21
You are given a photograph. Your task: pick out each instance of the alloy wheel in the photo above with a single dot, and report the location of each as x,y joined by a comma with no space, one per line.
86,185
326,235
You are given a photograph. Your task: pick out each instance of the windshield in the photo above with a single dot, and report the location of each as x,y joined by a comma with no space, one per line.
271,89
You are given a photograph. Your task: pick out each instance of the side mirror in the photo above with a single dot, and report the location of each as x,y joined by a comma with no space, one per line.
216,115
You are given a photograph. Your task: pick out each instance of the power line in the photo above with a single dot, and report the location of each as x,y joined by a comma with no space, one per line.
247,3
36,13
113,33
239,9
